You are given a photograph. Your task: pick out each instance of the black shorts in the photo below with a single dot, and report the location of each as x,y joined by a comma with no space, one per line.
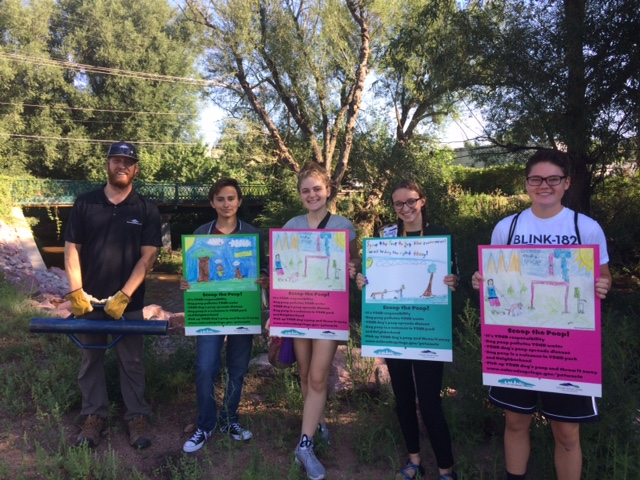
555,406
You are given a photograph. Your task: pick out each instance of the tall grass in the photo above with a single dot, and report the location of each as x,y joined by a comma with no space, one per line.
38,385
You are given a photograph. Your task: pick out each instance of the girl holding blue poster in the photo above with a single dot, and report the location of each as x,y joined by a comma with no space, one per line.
315,356
418,377
547,179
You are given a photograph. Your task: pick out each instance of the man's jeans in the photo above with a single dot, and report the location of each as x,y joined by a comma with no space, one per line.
208,363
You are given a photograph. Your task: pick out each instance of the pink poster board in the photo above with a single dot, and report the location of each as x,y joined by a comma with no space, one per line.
309,294
540,318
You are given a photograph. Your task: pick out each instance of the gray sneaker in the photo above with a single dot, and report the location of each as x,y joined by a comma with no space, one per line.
306,457
324,432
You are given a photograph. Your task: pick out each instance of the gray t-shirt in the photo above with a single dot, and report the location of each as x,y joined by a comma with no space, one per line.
336,222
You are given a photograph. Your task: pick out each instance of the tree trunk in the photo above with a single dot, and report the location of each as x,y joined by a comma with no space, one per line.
357,9
577,136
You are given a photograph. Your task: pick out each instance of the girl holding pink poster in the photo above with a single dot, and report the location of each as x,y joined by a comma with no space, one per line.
547,222
314,356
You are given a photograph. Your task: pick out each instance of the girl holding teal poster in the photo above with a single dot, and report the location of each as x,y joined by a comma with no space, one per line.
422,377
314,356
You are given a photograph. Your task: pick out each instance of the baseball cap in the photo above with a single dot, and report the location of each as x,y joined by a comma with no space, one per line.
123,149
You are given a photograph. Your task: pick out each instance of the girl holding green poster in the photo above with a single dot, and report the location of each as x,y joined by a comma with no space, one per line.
418,377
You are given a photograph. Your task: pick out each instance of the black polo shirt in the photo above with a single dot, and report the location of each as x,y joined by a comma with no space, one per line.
111,237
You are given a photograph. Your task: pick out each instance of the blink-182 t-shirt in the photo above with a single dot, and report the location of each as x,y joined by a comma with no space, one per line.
557,230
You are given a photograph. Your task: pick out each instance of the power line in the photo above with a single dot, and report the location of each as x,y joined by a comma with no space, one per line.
84,68
65,107
89,140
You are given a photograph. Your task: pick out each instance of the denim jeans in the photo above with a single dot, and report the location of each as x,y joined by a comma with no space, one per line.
208,363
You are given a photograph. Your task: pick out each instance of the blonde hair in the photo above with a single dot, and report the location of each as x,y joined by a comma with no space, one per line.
311,169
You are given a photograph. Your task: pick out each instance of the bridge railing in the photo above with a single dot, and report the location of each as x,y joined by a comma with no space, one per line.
44,192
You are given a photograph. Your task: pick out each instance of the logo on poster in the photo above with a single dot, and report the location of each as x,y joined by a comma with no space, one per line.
569,387
328,334
207,330
428,354
515,382
293,331
386,351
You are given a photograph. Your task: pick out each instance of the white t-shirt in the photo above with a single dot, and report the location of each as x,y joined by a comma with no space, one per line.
557,230
336,222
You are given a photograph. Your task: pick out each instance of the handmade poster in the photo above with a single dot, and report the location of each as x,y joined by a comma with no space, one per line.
223,297
541,318
309,294
406,306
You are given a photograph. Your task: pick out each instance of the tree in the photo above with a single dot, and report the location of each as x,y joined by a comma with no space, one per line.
299,67
28,85
425,63
62,62
564,75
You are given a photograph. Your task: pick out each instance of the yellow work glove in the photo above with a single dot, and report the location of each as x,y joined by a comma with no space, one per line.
79,302
116,304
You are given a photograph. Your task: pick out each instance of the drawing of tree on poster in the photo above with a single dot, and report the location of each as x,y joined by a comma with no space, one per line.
407,270
221,262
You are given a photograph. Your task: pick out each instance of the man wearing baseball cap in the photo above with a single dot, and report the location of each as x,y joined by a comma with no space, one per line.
111,242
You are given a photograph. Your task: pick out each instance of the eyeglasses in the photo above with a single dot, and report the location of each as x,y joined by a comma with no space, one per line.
552,181
409,203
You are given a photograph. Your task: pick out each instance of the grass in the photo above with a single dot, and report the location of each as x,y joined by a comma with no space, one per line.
39,402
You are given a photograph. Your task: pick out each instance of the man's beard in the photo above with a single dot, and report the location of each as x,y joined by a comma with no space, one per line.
119,182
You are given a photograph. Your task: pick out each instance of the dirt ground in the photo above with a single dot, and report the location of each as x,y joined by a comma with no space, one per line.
275,432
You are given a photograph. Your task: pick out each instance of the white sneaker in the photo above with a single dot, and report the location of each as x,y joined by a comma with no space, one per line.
196,442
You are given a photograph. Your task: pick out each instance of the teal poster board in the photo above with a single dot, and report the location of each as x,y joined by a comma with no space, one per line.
406,306
223,297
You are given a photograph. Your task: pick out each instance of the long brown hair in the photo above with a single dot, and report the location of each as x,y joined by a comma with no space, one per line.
414,187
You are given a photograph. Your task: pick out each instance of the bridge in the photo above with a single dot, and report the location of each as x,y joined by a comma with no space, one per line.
62,193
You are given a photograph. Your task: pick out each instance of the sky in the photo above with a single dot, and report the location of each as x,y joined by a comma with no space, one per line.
454,136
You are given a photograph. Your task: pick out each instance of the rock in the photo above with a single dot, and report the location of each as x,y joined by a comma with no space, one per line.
260,364
155,312
176,324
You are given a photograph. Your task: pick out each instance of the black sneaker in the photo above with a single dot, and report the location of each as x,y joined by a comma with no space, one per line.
237,431
196,442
